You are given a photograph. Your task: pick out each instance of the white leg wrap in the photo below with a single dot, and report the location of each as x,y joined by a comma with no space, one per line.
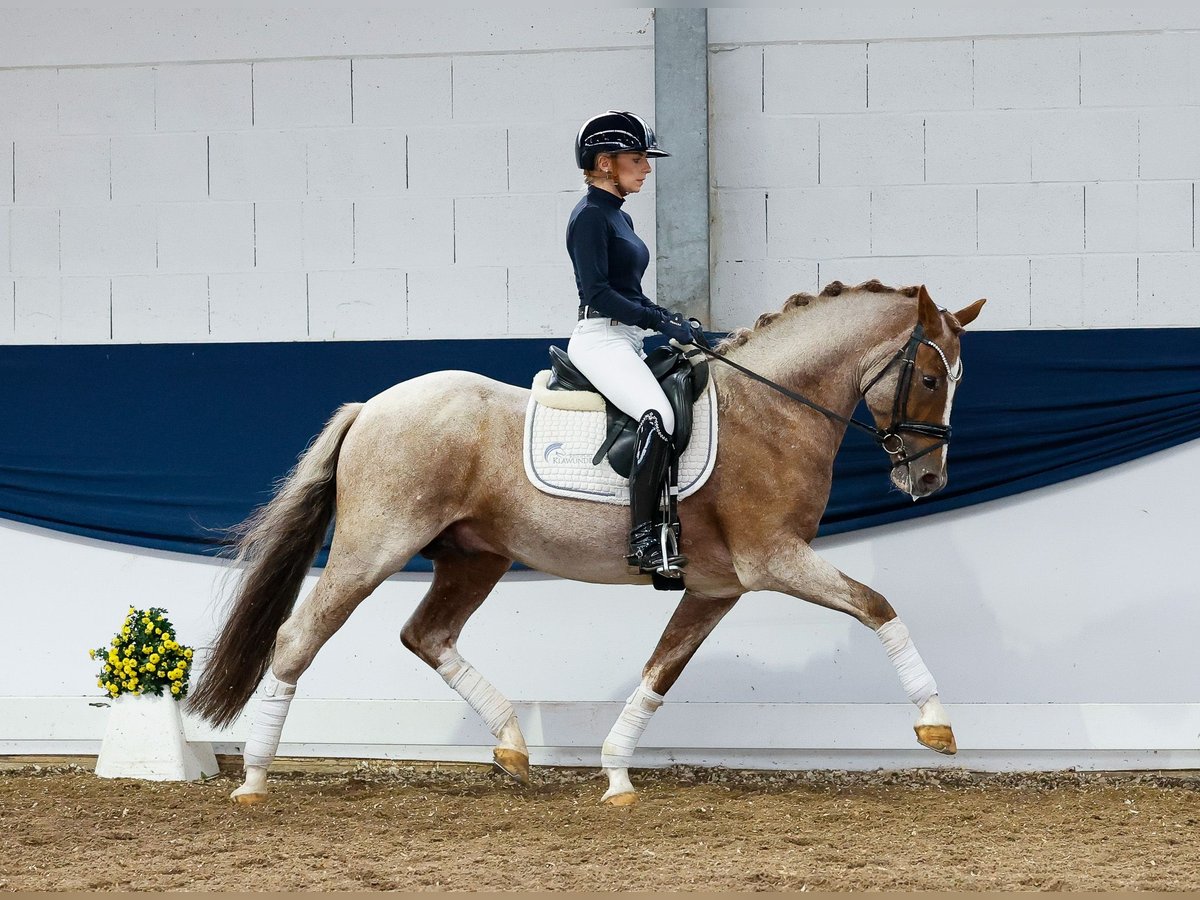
492,706
623,739
267,725
914,676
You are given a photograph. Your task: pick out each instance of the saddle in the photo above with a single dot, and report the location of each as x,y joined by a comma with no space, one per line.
682,381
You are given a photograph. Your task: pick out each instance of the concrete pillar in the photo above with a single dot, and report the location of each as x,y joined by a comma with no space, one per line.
681,189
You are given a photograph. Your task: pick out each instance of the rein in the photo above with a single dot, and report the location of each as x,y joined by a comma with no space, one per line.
890,439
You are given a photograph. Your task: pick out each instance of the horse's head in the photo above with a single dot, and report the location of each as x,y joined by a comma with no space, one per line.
910,395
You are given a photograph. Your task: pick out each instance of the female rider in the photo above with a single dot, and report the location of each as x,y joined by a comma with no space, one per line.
614,151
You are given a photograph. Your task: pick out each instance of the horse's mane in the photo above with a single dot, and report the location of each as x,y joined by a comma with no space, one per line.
833,289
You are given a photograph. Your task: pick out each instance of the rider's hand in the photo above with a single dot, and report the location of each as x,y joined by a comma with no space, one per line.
675,326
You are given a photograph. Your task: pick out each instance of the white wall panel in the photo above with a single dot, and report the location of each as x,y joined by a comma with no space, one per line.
1097,291
496,231
356,162
1031,218
1137,69
1033,609
86,303
735,83
8,311
813,78
765,151
413,231
258,306
744,289
205,237
357,305
459,159
106,101
61,169
37,310
34,247
919,75
1167,145
923,219
7,156
1032,73
739,223
729,25
1085,145
52,36
200,98
541,300
876,149
818,222
445,302
278,236
302,93
5,247
1151,216
979,147
410,92
153,168
28,101
327,232
153,309
1166,288
103,240
259,165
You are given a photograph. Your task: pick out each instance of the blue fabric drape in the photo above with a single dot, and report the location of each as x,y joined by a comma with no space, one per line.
165,446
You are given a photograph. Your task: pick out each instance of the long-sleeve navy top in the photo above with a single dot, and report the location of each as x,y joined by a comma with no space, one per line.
609,259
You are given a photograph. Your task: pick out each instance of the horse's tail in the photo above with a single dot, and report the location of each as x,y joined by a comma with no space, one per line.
276,545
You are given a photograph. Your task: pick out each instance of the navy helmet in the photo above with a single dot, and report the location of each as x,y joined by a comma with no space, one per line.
614,132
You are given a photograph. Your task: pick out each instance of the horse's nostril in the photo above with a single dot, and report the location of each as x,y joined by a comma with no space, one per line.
931,480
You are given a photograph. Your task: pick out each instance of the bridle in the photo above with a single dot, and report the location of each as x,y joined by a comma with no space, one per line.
891,439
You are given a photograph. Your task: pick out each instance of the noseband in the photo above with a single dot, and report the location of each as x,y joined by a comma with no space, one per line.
891,439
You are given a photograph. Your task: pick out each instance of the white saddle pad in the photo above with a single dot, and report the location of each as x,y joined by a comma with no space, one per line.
564,429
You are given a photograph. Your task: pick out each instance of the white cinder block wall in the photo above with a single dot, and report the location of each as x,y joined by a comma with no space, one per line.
1045,160
262,175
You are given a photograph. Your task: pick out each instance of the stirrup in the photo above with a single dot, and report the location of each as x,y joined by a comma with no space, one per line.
672,561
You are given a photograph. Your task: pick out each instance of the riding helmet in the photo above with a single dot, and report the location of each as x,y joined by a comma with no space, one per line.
614,132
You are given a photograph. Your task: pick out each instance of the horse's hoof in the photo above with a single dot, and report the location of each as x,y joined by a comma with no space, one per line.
936,737
626,799
249,798
513,763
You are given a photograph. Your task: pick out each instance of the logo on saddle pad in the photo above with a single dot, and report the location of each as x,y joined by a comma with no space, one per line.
557,456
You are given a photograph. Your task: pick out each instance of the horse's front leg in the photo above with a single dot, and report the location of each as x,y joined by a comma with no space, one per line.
693,621
797,570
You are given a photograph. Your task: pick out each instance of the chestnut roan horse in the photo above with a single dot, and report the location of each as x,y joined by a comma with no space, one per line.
470,507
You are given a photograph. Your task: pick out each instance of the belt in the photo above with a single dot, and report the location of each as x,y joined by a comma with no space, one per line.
586,312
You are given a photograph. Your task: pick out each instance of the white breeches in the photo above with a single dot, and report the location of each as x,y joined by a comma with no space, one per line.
611,356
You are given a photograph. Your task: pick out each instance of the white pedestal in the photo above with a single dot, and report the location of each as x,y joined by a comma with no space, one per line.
144,739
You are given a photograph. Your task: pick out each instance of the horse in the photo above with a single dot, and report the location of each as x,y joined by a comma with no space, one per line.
433,466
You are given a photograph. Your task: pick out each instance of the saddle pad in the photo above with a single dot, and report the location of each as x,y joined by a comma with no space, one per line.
560,443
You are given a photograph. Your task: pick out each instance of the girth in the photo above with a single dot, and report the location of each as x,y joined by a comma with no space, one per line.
682,382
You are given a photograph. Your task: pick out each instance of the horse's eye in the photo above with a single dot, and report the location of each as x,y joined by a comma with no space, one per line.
930,382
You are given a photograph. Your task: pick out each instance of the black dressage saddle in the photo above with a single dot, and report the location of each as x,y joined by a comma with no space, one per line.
682,382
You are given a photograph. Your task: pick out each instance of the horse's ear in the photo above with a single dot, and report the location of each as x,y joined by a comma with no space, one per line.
966,316
928,313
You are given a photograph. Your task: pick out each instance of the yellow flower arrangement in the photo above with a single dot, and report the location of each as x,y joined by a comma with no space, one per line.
144,657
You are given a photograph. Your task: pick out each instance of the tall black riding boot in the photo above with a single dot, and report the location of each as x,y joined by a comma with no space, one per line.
651,459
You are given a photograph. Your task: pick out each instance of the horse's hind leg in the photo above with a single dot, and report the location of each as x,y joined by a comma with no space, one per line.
693,621
799,571
346,582
461,582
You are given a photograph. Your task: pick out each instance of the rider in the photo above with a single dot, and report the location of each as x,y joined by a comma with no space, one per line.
614,151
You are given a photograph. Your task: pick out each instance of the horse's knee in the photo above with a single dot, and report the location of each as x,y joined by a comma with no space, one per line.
875,610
